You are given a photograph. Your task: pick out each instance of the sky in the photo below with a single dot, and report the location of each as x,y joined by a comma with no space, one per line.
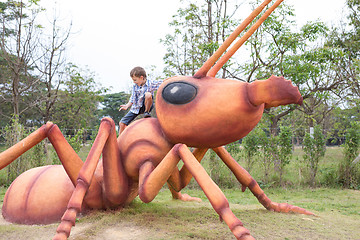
110,37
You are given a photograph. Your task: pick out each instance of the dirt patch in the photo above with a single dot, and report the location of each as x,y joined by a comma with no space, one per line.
82,230
123,232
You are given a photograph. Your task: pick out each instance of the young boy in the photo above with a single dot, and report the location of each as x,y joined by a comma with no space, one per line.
141,100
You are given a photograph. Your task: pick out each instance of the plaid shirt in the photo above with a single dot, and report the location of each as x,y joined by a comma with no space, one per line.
138,94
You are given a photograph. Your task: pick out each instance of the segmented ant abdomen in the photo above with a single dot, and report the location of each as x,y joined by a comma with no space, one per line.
38,196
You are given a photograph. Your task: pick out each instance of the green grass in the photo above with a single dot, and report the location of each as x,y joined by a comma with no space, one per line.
338,217
338,210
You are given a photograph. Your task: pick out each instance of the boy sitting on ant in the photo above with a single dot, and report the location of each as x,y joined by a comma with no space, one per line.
141,100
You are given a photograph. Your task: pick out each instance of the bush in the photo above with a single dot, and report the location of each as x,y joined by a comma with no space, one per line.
250,150
285,150
314,149
218,171
349,175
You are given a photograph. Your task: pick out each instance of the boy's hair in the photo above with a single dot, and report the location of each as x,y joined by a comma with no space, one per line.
138,72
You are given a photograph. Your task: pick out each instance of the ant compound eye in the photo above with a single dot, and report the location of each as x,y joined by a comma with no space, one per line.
179,92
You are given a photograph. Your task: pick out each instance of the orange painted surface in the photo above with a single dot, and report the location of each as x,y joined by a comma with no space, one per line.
38,196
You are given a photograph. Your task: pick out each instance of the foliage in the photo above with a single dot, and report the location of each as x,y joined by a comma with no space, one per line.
268,153
281,48
198,30
78,102
343,118
349,169
218,171
250,148
76,141
285,150
19,38
314,149
233,148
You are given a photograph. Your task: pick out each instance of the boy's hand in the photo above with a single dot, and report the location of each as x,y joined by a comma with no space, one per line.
126,106
123,107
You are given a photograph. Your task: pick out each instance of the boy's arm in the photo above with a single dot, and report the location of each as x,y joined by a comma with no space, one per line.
130,103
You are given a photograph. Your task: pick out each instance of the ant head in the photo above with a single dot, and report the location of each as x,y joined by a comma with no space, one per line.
198,113
204,111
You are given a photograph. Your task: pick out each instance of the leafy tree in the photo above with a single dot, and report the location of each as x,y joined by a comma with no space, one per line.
78,102
6,109
297,55
19,38
347,38
31,62
198,32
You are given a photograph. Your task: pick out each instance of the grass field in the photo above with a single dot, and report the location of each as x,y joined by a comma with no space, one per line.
337,210
338,217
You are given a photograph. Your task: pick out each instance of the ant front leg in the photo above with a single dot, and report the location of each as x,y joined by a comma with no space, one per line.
152,178
115,179
247,180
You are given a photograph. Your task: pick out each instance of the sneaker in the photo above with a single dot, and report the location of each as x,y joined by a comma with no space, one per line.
147,115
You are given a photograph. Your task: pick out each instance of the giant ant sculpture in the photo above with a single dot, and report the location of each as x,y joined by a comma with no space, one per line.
200,111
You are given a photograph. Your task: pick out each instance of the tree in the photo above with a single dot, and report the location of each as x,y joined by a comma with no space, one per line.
78,102
297,55
268,151
19,38
50,62
6,109
347,38
198,32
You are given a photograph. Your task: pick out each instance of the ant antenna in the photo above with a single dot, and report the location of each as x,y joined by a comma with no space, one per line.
209,64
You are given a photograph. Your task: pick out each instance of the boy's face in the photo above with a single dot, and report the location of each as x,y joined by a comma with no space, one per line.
138,80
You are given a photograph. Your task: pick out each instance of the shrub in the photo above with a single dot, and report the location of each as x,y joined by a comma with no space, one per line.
348,170
250,148
285,150
314,149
